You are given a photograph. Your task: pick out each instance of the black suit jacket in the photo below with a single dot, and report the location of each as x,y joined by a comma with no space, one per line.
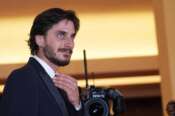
29,91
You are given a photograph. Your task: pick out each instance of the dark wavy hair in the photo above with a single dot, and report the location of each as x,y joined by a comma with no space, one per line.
45,20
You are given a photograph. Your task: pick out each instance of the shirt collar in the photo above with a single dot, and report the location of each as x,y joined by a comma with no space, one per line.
46,67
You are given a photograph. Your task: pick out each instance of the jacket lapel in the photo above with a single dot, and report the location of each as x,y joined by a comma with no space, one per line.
50,86
55,93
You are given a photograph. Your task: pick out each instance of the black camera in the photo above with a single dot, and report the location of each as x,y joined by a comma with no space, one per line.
97,101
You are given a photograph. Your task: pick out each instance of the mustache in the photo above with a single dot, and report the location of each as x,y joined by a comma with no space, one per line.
65,50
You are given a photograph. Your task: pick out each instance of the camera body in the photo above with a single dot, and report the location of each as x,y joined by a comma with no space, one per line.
96,101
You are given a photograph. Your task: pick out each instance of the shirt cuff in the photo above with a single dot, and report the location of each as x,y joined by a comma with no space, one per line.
77,108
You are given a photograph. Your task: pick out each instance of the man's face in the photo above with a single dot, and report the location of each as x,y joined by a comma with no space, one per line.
59,43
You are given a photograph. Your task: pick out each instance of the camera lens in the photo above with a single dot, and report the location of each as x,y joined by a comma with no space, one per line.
96,107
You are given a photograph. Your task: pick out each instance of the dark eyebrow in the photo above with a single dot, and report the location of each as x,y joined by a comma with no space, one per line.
61,31
64,32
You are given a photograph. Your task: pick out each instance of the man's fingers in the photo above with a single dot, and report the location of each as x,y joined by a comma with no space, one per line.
69,85
67,78
62,84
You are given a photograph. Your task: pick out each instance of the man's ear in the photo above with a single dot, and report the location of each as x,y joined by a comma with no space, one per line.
39,39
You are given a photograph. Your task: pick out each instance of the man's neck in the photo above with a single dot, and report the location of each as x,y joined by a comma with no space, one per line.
53,66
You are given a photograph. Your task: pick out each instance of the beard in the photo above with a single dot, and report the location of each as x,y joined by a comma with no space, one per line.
51,56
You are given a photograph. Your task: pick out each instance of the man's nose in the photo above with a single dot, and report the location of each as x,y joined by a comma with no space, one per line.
69,43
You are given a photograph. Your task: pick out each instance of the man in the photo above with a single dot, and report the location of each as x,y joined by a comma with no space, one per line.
37,89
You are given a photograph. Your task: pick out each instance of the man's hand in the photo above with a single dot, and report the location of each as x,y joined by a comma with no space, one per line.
69,85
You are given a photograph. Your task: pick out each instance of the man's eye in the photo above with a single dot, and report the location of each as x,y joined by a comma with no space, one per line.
61,35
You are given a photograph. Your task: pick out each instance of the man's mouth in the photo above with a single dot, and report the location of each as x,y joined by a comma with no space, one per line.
65,50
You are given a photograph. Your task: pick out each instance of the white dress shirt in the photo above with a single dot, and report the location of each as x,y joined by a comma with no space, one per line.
46,67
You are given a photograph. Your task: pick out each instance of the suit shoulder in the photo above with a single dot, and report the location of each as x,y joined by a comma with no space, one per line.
23,74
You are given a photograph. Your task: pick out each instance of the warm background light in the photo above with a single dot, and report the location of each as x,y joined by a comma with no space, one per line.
13,35
117,34
103,35
119,81
122,81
